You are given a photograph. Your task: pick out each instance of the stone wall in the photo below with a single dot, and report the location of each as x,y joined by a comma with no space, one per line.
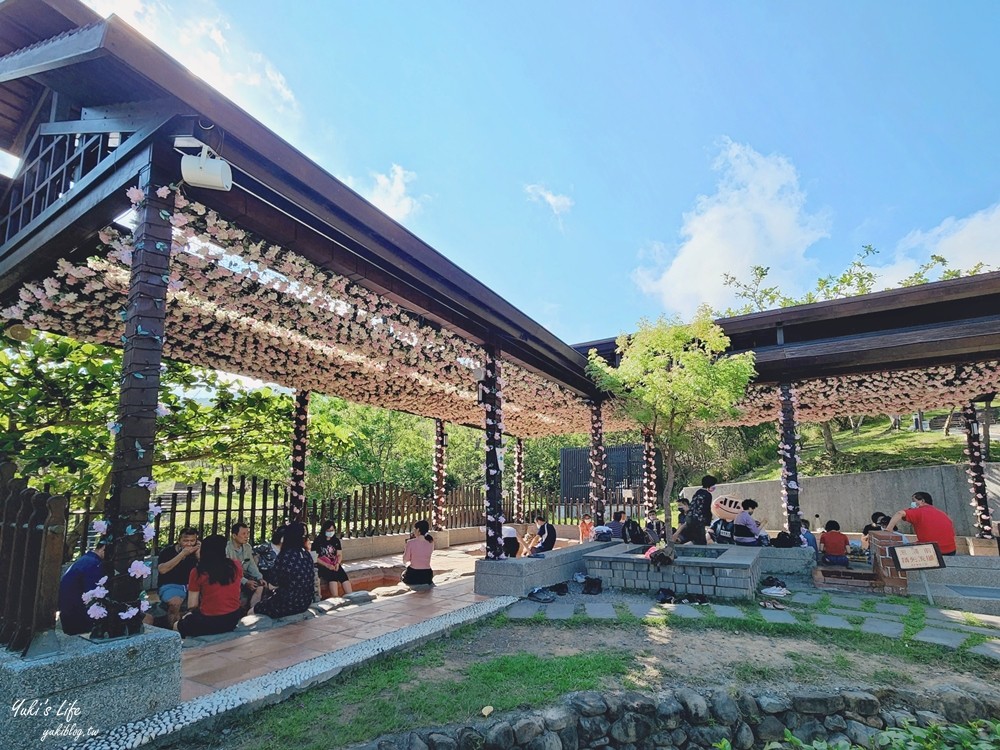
851,499
685,719
733,575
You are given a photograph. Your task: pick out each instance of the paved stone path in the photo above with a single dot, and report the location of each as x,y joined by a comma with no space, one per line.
863,614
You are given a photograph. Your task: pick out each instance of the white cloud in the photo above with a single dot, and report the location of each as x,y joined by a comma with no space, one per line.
559,204
199,37
756,216
389,193
963,242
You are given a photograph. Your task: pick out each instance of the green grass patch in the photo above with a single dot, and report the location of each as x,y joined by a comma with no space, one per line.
970,619
856,620
892,677
752,672
867,605
914,620
823,604
389,696
874,448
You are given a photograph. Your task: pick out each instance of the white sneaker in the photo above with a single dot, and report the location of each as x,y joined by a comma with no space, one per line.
580,577
775,591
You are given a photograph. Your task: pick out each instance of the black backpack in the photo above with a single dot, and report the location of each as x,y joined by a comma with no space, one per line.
784,541
633,533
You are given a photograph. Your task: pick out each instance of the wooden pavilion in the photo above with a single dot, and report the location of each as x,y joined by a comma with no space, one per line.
292,278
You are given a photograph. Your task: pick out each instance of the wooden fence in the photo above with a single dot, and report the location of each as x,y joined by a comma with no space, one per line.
372,510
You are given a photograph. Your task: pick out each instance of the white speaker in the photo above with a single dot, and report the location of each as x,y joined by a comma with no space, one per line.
206,172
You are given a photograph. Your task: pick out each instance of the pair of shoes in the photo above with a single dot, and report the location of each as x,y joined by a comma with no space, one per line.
771,604
580,578
592,585
541,595
772,582
561,589
665,596
775,591
701,600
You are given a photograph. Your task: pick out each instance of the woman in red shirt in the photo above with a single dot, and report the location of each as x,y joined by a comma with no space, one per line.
833,545
213,591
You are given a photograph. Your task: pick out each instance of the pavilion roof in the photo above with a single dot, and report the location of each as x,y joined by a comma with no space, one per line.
57,54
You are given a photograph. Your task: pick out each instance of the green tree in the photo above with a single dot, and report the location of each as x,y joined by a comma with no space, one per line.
673,379
59,405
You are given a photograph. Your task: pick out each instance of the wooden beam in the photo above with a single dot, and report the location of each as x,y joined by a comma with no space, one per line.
90,205
74,47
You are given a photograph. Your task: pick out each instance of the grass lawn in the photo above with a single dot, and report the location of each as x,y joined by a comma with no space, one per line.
507,665
874,448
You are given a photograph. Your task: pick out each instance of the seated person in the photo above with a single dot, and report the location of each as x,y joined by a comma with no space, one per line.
746,530
330,559
617,523
833,545
808,538
417,556
721,531
238,548
586,529
81,577
545,540
511,541
656,529
879,521
174,566
213,591
267,553
293,574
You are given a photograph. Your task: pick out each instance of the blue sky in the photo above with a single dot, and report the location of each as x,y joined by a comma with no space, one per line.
598,162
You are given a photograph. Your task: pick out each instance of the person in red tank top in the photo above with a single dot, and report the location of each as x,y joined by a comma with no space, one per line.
930,524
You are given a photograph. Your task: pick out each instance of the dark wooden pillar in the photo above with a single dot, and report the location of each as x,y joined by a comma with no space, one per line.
491,396
648,471
127,508
983,523
598,464
519,481
440,472
300,442
787,449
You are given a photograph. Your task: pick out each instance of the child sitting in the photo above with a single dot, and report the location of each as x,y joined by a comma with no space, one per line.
833,545
586,529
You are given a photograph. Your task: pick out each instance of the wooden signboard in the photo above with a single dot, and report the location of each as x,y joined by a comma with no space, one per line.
925,556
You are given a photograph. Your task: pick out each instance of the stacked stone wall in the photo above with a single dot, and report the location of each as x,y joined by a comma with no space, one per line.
686,719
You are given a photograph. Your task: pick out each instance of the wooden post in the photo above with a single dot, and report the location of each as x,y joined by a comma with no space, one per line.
983,523
598,464
491,396
128,505
787,449
518,509
295,510
440,472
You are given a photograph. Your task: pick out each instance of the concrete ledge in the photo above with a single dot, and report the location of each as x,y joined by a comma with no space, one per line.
518,576
964,570
790,561
87,687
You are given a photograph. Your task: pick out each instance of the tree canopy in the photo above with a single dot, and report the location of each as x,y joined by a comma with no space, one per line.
673,380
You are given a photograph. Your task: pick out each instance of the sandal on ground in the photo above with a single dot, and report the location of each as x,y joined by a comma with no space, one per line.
778,605
767,604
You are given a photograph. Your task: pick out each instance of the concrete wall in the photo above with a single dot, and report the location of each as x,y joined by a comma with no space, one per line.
850,499
365,547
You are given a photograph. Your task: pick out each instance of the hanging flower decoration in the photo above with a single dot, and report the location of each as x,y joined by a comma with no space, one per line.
240,305
884,392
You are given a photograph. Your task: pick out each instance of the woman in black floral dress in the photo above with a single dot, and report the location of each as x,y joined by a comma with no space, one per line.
293,574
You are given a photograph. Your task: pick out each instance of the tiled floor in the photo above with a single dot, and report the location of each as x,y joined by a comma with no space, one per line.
212,667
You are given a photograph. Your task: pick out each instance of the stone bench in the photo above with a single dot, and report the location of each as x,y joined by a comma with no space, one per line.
519,575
